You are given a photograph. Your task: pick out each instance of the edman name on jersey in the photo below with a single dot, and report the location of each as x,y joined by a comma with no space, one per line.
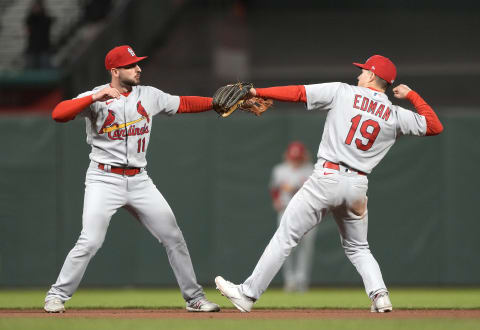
363,103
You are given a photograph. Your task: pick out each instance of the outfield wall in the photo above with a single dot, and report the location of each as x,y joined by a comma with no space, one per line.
422,202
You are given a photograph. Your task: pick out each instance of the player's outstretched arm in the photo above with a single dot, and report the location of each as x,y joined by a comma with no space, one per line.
293,93
190,104
69,109
434,126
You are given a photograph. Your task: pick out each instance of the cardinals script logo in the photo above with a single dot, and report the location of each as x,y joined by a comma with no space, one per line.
120,131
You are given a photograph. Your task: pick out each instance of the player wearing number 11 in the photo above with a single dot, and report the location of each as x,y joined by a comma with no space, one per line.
361,126
118,117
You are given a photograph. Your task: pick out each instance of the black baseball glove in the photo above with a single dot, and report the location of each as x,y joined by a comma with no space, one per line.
236,96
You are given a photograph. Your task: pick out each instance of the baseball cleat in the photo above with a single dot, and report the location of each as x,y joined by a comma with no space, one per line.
202,305
381,303
54,305
232,292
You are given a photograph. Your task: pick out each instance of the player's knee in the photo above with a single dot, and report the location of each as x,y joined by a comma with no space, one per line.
284,243
94,245
352,248
173,238
290,232
89,245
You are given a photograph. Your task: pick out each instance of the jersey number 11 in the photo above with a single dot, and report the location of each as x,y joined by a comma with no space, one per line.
141,145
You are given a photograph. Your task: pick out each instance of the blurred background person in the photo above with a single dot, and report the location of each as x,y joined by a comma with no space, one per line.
287,178
38,24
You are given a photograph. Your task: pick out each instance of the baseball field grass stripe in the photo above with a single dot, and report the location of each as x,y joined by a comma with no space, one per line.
142,324
403,298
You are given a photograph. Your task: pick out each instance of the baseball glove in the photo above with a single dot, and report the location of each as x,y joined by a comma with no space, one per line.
229,98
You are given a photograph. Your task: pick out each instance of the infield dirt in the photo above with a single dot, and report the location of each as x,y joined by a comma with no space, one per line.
234,314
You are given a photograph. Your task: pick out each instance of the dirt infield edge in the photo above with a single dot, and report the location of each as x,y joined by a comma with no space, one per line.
234,314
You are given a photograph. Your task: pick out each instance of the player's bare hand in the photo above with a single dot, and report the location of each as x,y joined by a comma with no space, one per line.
401,91
253,92
106,94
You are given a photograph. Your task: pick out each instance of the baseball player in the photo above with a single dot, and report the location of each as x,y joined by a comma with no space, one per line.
118,120
361,126
287,178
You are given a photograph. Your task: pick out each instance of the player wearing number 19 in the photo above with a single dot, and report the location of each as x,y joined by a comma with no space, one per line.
118,118
361,126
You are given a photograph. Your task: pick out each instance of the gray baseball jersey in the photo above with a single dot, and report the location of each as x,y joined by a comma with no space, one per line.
290,179
361,125
119,130
297,267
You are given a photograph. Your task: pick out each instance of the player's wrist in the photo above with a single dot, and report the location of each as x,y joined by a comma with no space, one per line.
411,95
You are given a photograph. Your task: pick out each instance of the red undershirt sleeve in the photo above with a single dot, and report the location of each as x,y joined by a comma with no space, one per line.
190,104
275,193
69,109
434,126
293,93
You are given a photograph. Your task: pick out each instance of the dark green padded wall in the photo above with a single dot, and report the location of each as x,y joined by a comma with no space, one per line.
215,173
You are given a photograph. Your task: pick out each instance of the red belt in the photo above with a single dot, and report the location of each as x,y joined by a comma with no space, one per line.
335,166
121,170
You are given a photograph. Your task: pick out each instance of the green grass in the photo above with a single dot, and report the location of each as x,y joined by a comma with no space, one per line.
457,298
220,324
448,298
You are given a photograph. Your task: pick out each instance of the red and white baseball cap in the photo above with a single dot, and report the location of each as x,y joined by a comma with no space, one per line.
121,56
381,66
296,150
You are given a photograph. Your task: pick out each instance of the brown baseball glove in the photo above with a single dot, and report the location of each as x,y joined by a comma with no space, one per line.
229,98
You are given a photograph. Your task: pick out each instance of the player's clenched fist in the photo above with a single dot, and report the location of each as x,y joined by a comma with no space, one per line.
401,91
106,94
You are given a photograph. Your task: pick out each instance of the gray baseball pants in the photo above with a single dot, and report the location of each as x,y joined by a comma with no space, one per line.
343,194
297,267
105,193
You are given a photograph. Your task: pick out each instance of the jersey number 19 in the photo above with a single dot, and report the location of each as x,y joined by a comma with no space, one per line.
368,133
